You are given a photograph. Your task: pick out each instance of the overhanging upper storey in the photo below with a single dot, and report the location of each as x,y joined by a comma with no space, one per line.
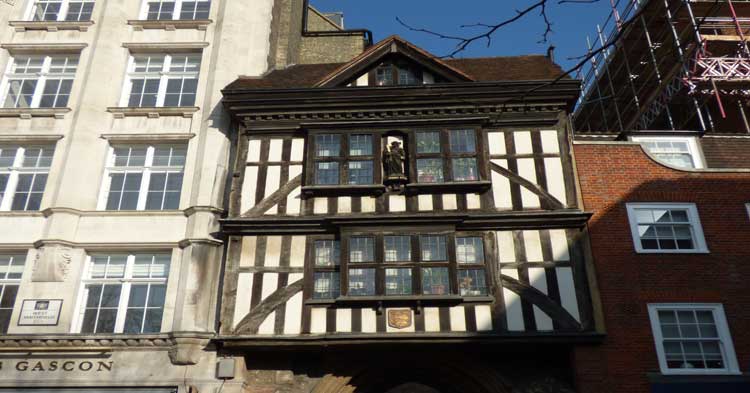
404,195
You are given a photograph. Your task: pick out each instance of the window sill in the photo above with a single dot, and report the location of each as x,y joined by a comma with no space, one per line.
343,190
50,26
377,301
22,213
170,25
28,113
703,251
449,187
153,112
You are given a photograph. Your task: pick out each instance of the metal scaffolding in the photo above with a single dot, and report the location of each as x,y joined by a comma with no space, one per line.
668,65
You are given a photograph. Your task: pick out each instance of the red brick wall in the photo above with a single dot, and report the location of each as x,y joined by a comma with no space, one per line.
611,175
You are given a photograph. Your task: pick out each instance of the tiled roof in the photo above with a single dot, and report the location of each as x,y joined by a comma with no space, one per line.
481,69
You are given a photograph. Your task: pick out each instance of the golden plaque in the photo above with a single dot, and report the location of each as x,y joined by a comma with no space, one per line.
399,319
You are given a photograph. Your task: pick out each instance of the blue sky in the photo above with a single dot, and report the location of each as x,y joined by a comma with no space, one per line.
571,24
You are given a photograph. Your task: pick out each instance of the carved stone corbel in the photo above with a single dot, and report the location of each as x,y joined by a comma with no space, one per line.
188,347
52,264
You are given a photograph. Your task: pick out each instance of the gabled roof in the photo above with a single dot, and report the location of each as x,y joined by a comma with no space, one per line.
481,69
393,44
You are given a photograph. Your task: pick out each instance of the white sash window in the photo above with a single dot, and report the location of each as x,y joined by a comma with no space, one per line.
39,81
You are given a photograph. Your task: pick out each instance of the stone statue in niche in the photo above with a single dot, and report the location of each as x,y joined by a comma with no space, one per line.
394,158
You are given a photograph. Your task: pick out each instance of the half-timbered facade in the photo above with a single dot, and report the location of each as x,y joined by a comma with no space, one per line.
400,198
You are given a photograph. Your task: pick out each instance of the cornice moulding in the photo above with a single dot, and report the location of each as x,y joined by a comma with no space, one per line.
162,46
148,137
50,26
28,113
153,112
201,24
30,138
44,47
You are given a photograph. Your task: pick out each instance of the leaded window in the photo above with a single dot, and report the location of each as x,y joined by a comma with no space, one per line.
23,176
61,10
162,80
175,10
143,177
124,293
326,262
344,159
393,264
449,155
39,81
11,271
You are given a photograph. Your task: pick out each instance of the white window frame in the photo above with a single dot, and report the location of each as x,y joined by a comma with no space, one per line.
146,170
164,76
725,337
692,144
4,281
64,6
126,283
40,77
143,14
697,229
15,171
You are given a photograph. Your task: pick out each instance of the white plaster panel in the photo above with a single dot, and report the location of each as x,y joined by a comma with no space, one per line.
527,170
424,202
513,308
273,178
432,319
533,246
270,284
538,280
273,251
253,151
450,202
297,255
458,319
267,327
244,295
274,150
522,140
318,320
497,143
344,320
567,287
249,185
247,258
506,246
293,314
369,321
368,204
320,205
501,188
559,241
483,315
294,202
550,144
555,179
345,205
298,149
473,201
397,203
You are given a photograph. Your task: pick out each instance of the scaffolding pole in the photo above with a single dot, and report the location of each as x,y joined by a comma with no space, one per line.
655,63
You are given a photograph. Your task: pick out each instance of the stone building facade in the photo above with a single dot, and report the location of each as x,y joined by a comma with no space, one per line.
114,154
